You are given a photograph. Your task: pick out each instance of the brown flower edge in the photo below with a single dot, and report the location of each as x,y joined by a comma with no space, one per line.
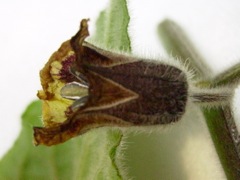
85,87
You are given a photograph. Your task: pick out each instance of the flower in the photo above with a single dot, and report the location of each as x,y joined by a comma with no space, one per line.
85,87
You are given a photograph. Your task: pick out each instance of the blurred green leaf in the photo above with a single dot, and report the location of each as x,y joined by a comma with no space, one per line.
230,77
179,46
90,156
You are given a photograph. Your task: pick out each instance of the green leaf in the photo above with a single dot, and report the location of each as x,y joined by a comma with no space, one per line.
90,156
229,77
112,27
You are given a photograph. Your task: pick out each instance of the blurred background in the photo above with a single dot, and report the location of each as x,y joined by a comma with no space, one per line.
31,31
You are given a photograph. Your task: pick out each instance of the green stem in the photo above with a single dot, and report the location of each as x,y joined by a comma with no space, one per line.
219,120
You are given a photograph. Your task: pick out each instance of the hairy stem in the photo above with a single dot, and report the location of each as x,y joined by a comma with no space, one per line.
219,120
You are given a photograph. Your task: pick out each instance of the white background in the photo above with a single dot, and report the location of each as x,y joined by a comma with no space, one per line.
31,31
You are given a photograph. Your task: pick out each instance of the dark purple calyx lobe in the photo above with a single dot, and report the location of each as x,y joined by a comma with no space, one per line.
162,91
